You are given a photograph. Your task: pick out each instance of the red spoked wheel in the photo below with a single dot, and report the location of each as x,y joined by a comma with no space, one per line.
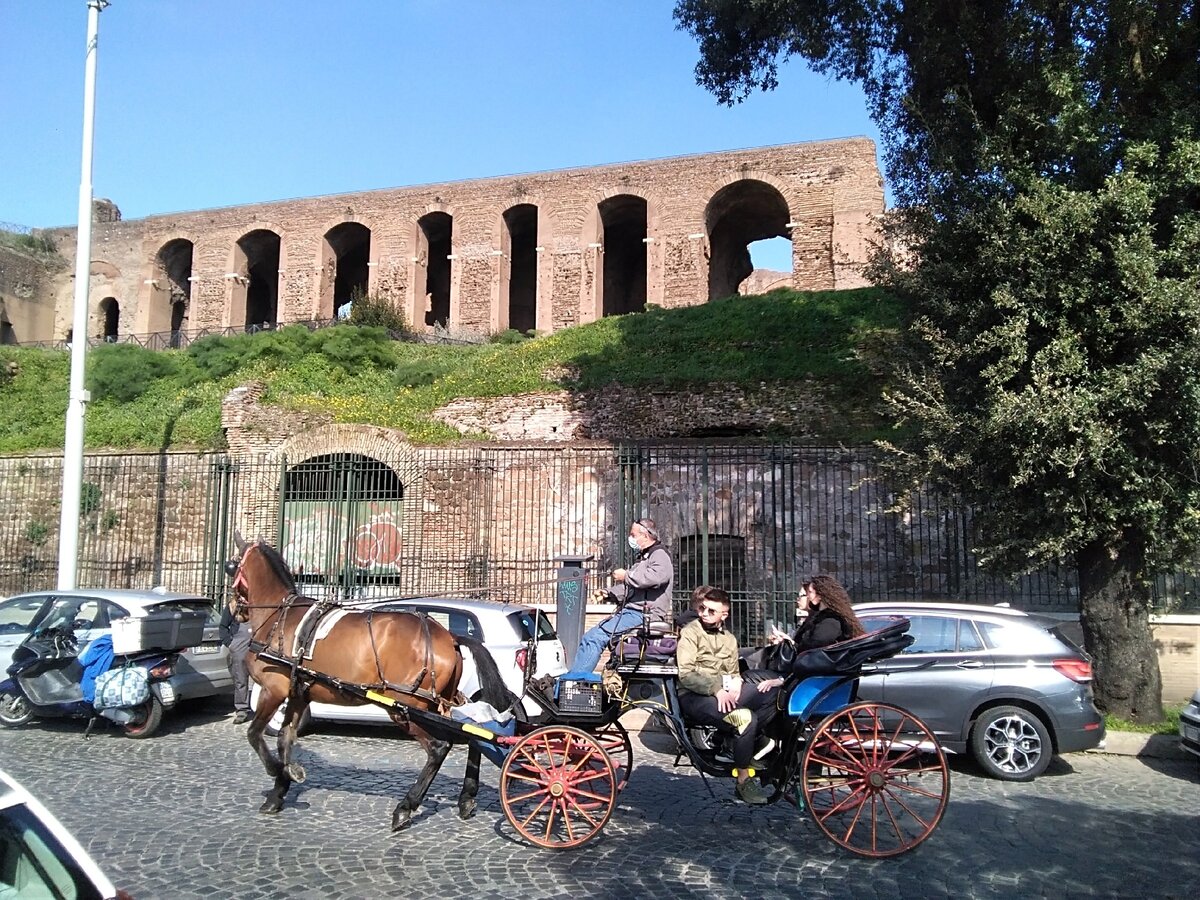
875,779
616,743
558,787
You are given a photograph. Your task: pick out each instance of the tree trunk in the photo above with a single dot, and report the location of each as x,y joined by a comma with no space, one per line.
1115,615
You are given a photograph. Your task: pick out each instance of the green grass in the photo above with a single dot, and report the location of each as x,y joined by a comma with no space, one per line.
1169,725
836,341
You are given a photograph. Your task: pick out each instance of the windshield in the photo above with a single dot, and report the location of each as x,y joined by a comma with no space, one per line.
530,622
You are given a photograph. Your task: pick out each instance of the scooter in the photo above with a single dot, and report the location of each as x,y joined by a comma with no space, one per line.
45,681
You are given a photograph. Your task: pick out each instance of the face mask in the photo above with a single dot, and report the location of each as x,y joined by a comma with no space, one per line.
633,544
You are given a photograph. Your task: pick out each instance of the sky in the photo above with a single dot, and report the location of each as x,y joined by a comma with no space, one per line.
210,103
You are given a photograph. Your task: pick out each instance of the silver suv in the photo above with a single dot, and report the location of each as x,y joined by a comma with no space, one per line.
1007,686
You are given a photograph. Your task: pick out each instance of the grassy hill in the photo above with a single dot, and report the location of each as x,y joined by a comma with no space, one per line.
147,400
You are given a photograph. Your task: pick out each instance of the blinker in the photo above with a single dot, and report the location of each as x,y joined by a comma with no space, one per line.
231,567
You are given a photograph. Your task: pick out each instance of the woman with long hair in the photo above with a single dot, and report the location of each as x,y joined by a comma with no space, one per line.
827,618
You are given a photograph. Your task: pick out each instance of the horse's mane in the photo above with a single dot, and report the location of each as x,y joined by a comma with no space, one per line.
275,560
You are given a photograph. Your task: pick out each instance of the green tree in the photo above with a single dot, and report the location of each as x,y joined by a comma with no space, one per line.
1046,160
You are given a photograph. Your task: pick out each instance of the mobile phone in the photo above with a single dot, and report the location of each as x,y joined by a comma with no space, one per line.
726,682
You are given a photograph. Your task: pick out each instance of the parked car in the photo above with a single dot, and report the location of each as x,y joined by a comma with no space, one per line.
1006,686
202,671
509,631
39,857
1189,725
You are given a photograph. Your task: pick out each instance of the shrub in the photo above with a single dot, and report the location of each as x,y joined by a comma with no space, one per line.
372,310
123,372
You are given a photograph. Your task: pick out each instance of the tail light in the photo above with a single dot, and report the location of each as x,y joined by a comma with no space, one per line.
162,671
522,658
1076,669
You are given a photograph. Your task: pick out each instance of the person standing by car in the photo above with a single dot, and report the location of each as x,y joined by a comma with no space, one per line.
642,594
236,636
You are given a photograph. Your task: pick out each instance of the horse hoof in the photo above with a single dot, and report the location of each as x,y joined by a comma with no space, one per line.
400,820
296,773
270,807
466,811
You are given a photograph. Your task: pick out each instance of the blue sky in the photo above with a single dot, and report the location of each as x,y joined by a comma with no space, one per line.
208,103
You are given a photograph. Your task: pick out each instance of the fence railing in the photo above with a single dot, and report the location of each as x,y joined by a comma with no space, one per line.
492,521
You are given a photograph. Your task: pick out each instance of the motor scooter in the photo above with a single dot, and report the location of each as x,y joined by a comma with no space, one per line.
45,681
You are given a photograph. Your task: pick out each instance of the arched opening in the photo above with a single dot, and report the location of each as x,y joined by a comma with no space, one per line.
172,289
8,334
519,245
623,230
110,310
772,262
345,256
256,280
737,216
342,521
435,241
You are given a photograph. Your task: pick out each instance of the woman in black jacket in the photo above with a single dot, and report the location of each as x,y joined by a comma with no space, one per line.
828,619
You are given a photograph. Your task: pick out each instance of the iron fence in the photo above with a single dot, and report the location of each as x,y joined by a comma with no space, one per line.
493,520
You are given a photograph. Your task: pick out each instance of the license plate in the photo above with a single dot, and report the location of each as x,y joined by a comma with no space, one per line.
205,648
166,693
1191,732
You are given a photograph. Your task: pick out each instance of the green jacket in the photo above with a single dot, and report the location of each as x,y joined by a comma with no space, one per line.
703,658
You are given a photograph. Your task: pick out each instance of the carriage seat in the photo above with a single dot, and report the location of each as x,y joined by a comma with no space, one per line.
653,642
848,657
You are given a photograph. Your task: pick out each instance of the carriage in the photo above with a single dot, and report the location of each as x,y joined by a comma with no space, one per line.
871,776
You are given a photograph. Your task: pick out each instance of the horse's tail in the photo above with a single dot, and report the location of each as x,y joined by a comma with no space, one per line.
491,683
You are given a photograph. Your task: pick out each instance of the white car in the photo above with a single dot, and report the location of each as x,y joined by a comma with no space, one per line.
509,631
39,857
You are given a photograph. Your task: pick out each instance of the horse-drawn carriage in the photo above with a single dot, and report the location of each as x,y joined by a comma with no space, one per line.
871,776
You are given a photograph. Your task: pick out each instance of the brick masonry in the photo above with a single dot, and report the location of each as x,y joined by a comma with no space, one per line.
697,213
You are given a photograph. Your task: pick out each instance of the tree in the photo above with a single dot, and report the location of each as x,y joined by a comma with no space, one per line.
1046,160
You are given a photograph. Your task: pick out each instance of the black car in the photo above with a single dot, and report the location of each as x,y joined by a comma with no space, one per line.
1010,688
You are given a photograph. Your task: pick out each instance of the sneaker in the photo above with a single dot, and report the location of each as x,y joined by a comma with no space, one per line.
739,719
724,756
751,792
765,746
241,717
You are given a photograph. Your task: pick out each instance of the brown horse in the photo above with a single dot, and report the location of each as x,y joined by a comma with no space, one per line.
404,656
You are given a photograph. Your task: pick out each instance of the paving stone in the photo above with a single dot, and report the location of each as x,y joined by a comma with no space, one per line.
175,816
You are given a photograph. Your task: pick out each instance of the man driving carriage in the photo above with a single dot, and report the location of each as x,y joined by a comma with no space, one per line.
642,594
712,692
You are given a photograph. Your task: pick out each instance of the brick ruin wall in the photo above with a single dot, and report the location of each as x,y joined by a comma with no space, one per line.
831,193
30,288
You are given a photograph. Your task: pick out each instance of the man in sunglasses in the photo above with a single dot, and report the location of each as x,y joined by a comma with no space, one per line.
642,594
711,691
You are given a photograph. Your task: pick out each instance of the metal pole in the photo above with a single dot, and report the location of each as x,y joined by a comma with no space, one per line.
68,528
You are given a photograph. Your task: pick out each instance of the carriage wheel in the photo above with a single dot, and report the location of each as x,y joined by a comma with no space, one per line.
875,779
558,787
615,741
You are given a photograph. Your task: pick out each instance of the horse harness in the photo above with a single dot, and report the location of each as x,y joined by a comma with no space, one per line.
272,650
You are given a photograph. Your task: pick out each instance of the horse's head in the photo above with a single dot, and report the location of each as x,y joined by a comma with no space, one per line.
258,571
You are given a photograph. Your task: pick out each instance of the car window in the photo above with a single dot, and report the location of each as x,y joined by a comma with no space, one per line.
933,634
16,615
457,622
1019,637
968,636
527,623
33,863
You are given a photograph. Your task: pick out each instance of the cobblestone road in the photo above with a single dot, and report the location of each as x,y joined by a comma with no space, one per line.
175,816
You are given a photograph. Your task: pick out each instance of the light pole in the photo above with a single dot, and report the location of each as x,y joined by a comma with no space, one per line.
72,473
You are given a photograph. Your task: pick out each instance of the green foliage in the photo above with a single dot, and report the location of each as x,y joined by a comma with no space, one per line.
35,244
110,520
1168,725
371,310
509,336
123,372
89,498
36,533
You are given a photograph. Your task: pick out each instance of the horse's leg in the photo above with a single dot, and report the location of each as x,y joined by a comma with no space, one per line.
267,704
435,754
292,717
466,798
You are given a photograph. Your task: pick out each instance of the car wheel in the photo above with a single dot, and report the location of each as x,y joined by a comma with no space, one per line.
1011,744
152,715
14,710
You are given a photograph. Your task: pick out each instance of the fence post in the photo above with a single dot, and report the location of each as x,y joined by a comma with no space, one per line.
571,601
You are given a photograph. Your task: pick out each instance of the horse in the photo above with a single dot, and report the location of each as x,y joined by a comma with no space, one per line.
404,656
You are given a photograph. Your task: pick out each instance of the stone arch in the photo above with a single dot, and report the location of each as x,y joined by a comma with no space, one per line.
519,285
170,283
432,286
255,264
622,267
746,209
343,267
110,315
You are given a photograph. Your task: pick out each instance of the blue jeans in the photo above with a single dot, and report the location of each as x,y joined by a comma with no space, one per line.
594,640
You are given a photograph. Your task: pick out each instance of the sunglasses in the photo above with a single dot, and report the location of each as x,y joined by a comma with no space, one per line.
711,610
